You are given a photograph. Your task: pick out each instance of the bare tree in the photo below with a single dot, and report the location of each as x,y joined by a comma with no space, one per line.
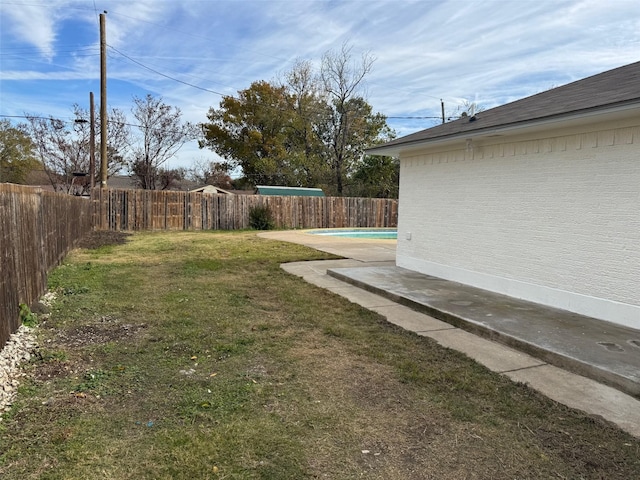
161,134
63,148
465,109
169,179
309,130
211,173
342,78
118,135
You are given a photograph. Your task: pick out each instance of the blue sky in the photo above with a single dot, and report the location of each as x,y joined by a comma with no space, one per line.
485,51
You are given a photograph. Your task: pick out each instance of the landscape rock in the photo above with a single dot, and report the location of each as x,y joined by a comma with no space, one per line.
17,350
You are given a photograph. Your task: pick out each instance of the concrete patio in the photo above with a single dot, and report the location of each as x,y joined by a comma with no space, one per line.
581,362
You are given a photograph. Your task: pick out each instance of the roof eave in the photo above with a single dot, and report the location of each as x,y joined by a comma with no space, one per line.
569,119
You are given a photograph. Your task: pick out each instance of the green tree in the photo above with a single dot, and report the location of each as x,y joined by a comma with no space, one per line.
251,131
349,128
308,104
17,158
376,177
309,130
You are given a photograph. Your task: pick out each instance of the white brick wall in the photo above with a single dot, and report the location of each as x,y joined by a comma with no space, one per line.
553,219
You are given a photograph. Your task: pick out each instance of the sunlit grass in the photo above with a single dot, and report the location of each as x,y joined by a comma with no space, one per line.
193,355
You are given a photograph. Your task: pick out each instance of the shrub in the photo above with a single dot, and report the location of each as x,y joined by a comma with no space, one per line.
260,218
27,317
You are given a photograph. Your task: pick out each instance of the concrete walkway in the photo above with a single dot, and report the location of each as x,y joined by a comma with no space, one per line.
539,346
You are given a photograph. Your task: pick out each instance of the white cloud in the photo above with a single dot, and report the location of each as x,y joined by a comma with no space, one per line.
491,52
32,26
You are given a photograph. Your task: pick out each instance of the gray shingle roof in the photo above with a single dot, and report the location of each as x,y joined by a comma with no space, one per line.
616,87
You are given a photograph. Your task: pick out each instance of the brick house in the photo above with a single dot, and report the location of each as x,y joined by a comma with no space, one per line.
538,199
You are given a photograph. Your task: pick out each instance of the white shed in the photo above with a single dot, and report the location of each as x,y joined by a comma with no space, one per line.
538,199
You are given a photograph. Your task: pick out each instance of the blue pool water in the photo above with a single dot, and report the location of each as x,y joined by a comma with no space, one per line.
377,233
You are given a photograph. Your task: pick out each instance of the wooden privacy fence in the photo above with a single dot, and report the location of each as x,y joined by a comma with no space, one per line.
160,210
37,229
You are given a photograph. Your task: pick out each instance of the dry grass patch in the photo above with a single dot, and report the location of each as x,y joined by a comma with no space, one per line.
193,355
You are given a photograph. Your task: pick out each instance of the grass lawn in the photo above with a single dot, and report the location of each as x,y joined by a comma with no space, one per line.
194,356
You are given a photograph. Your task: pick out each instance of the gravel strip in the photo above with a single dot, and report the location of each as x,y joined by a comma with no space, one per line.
16,351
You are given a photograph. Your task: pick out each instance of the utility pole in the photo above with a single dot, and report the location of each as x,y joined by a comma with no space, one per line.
103,103
442,107
92,143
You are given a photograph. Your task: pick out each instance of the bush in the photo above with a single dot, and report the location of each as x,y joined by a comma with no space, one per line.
28,318
260,218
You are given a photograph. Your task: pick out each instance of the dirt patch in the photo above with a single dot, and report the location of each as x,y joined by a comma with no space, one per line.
101,238
51,363
97,333
49,369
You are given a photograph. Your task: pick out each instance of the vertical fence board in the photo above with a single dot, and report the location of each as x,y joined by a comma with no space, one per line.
37,229
159,210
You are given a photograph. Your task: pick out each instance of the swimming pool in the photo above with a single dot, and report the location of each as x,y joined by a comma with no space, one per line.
375,233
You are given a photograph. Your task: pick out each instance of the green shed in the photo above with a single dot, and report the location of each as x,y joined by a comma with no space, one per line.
289,191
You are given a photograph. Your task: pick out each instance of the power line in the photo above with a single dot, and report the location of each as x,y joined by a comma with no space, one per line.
413,118
238,98
36,117
75,47
82,120
162,69
164,74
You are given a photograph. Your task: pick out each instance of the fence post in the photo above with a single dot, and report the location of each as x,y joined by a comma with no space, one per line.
37,229
162,210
